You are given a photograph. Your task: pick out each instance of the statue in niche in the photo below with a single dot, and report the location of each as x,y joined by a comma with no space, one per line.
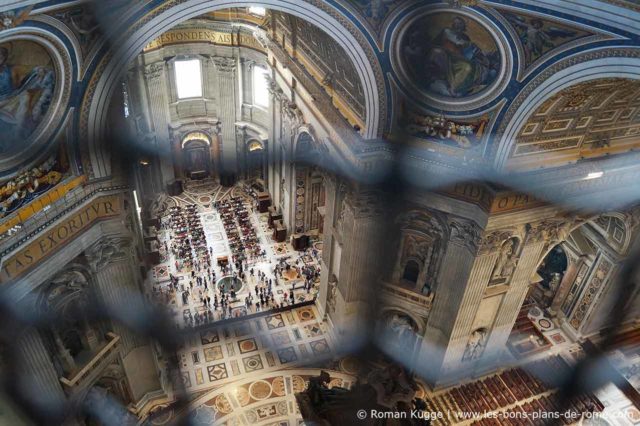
402,329
333,289
474,347
507,261
554,283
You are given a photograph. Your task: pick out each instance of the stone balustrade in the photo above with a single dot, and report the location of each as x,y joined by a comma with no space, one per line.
101,359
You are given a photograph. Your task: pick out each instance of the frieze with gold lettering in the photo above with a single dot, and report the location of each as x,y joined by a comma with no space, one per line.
54,239
195,35
493,202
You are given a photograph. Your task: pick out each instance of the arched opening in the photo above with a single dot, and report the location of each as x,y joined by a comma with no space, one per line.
347,47
256,158
411,272
549,276
571,295
196,157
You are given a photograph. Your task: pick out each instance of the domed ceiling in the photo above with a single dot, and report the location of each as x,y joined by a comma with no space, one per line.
459,79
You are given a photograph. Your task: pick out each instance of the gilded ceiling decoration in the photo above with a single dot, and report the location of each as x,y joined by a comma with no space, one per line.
590,119
539,36
438,129
13,18
375,11
325,60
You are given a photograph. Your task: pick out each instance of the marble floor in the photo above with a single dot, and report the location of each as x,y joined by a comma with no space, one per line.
244,371
225,354
263,399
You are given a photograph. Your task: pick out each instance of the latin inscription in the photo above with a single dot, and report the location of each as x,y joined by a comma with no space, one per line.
203,36
46,245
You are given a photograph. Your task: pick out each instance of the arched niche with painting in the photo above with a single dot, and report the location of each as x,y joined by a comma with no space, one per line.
196,155
255,155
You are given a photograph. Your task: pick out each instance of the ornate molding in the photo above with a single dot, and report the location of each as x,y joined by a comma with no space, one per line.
503,135
293,115
13,18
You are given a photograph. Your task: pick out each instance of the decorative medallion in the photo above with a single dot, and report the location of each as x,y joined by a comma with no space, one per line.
35,86
456,60
278,386
27,85
260,390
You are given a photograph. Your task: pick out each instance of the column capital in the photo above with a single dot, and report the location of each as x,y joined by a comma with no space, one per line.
465,233
154,70
224,64
552,231
109,250
493,240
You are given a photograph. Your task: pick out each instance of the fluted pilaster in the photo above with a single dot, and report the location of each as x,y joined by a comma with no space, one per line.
470,301
38,375
227,89
513,299
113,262
156,76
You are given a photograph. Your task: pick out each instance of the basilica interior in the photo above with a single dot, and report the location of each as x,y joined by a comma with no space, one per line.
319,212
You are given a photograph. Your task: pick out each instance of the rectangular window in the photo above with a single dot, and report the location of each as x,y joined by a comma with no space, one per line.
260,92
188,79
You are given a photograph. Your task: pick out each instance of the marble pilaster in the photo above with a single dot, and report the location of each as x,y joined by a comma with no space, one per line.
38,375
155,75
113,263
227,95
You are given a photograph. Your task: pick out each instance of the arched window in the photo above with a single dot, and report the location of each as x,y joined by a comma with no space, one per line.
411,271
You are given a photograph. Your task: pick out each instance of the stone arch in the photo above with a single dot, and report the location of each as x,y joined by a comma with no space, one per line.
305,147
104,82
615,228
594,65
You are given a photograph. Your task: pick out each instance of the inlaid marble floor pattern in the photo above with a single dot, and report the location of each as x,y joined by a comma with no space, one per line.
228,353
266,399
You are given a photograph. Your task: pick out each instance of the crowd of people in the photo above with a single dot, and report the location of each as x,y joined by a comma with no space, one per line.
188,242
242,237
197,286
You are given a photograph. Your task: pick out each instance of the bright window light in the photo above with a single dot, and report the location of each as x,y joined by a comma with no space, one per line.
260,92
255,10
188,79
594,175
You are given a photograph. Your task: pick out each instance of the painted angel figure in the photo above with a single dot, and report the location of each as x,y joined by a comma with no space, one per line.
536,37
